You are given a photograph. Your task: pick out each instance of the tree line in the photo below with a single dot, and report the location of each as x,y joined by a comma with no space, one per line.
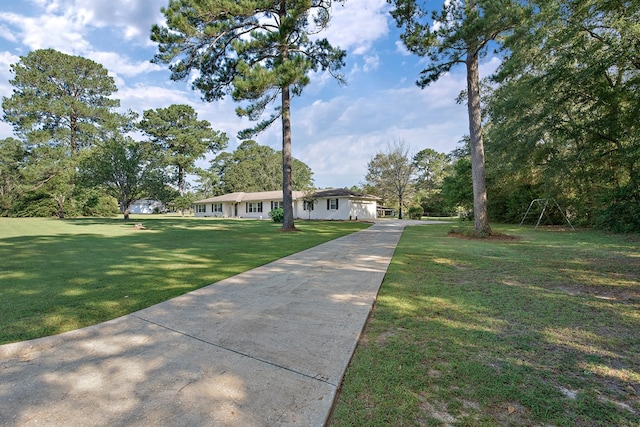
73,154
559,118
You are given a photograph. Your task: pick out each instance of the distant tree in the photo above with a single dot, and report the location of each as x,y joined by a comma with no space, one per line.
457,188
310,198
254,50
12,161
58,105
459,34
431,167
253,167
181,138
125,169
391,173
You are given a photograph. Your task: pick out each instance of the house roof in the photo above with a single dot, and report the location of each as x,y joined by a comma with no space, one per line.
248,197
239,197
343,192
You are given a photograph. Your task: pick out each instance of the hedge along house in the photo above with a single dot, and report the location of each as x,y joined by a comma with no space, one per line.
331,204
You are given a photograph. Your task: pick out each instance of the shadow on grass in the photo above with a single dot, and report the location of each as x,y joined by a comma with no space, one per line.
64,280
543,330
267,347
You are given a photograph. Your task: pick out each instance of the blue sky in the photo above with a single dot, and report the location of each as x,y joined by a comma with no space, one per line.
336,129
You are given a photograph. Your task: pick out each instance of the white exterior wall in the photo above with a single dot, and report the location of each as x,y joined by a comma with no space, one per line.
227,211
347,209
363,209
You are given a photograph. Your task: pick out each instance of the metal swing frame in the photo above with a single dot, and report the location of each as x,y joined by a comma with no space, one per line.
544,208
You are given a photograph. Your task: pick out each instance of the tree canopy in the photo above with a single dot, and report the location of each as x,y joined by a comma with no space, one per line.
253,167
58,106
59,99
127,170
182,138
256,51
564,119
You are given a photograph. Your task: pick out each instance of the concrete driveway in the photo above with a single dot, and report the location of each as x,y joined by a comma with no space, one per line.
268,347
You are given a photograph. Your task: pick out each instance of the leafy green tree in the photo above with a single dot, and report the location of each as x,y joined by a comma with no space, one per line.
566,111
457,188
255,50
431,167
58,105
391,173
253,167
459,34
12,160
182,139
62,96
127,170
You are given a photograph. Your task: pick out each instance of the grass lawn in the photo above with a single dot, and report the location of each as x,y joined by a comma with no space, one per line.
536,331
56,275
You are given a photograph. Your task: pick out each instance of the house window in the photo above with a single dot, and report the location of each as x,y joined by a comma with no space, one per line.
216,207
332,204
308,206
201,208
254,207
277,205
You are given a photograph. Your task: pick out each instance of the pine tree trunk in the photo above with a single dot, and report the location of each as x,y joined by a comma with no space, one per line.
287,197
477,144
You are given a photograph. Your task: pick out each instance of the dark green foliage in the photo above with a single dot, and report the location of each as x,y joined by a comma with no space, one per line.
253,167
415,212
59,99
457,189
564,118
59,106
181,138
277,215
12,160
126,170
620,211
98,204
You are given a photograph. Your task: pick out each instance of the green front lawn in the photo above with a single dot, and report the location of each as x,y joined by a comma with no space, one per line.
56,275
542,330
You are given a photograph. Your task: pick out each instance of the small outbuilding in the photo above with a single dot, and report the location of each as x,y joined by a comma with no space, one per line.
146,206
328,204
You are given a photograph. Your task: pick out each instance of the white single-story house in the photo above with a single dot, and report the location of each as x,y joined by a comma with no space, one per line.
331,204
146,206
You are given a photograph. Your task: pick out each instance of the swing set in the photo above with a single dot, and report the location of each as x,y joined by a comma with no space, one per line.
544,208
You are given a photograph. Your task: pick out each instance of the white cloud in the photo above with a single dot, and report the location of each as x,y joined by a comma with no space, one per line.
122,65
402,49
357,24
371,63
337,137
